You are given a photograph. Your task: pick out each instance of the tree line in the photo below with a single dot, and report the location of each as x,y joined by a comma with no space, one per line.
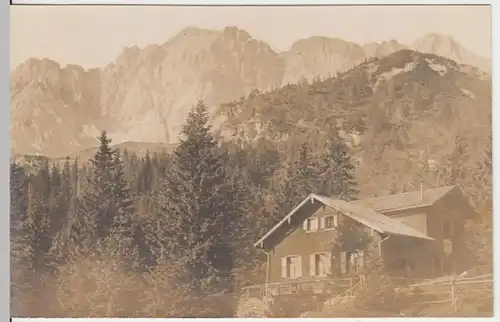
178,229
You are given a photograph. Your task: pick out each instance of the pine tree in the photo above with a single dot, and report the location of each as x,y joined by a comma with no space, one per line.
124,232
101,191
483,178
146,176
196,210
298,181
39,216
454,170
105,212
338,177
20,245
18,207
30,238
57,199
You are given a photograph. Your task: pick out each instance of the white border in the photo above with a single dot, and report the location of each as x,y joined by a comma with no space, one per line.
252,2
495,5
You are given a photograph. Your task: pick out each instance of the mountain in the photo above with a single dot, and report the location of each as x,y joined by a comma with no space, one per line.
382,49
395,113
50,107
448,47
146,94
319,57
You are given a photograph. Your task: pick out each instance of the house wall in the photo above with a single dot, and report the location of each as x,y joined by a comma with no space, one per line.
407,257
454,209
403,256
302,243
428,257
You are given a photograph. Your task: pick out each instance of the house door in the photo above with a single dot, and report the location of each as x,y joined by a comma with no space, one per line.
352,262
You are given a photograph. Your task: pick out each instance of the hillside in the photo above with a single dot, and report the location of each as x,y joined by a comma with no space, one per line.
397,112
146,93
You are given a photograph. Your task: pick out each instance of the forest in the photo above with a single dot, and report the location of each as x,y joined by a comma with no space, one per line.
177,226
172,235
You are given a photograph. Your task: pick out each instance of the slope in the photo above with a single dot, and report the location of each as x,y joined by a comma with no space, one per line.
396,112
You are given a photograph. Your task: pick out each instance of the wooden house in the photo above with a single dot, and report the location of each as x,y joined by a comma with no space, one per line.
419,235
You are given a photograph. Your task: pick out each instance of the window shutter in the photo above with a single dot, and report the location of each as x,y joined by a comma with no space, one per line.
283,267
322,223
447,246
312,265
314,224
304,225
298,268
343,263
328,264
361,259
335,221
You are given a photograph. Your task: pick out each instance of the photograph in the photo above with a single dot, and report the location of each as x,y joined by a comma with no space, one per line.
263,161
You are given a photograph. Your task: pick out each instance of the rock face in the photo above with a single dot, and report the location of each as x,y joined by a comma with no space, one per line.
146,94
319,57
51,106
382,49
446,46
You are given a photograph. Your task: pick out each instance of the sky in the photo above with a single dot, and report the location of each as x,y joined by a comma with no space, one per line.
93,36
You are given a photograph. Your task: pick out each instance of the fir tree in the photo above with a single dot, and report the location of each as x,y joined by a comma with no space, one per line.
454,170
124,232
105,215
338,177
197,209
297,182
20,245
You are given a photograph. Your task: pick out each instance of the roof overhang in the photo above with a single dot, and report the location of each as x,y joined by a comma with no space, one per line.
286,219
364,215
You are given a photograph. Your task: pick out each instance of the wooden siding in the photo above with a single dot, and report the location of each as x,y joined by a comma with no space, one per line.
425,258
417,221
302,243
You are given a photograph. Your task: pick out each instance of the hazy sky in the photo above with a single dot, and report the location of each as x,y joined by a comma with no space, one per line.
94,36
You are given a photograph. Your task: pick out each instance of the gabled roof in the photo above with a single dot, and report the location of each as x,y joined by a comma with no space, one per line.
372,219
363,215
405,200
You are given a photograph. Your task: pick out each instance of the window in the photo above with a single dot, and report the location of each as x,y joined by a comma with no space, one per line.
319,264
291,267
330,222
311,224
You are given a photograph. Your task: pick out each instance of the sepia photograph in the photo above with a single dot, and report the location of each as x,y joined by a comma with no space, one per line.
251,161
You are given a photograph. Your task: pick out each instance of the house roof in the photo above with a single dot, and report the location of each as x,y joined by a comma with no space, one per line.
362,214
372,219
405,200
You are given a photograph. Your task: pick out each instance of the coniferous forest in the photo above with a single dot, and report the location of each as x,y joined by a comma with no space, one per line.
166,235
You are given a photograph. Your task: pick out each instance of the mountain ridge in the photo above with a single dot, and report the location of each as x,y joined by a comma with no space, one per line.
146,93
399,114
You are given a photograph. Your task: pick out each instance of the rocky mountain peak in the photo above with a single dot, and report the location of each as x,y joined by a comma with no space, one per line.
447,46
146,93
321,57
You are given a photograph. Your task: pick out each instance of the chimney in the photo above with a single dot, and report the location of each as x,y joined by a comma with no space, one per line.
421,190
